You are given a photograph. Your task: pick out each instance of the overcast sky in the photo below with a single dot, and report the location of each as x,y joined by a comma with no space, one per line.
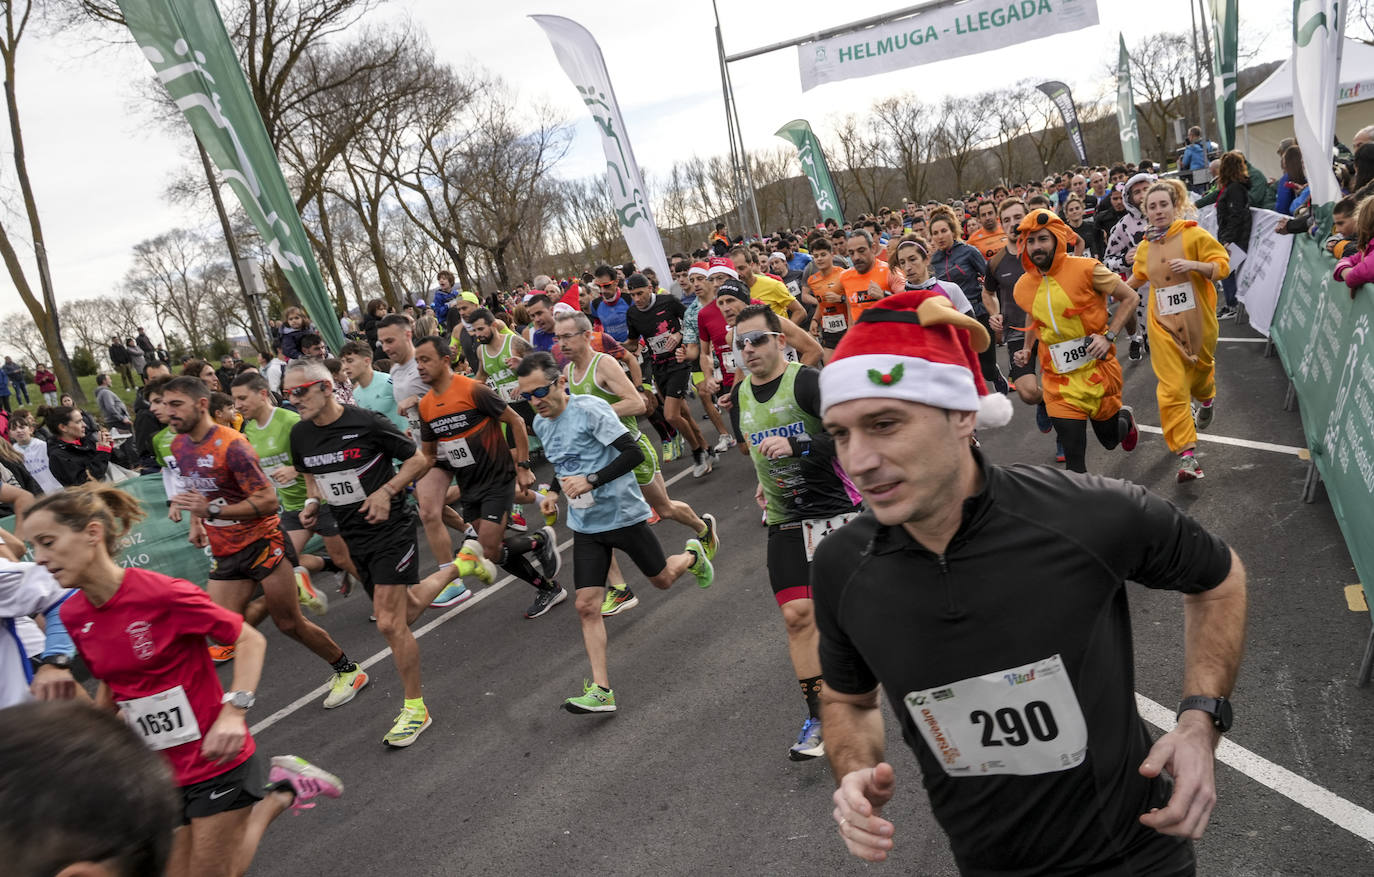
100,169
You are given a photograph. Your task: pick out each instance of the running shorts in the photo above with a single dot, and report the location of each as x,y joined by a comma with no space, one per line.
236,788
789,573
325,525
256,562
648,467
831,340
387,555
488,502
592,553
1020,371
673,380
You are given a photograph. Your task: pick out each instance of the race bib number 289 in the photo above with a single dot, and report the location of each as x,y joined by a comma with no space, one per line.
1023,720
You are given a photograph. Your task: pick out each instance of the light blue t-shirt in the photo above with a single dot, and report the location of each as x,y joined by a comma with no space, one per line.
578,442
378,396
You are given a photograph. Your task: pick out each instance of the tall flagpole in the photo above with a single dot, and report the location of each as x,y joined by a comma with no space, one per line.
739,158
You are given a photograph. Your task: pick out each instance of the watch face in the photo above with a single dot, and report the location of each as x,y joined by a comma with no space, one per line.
1224,716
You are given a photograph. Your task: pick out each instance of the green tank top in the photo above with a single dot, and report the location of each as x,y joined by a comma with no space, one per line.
587,386
162,446
273,444
500,377
781,416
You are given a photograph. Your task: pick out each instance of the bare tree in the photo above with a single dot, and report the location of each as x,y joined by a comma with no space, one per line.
1159,62
17,18
1047,133
856,153
18,332
86,319
966,123
1010,121
177,277
909,131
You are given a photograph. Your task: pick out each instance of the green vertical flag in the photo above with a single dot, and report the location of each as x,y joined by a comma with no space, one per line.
1226,46
798,132
189,49
1125,107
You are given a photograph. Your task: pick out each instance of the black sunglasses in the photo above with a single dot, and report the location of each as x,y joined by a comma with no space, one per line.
538,392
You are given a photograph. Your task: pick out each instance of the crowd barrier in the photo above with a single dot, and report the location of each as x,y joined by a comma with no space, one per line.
1262,272
1323,338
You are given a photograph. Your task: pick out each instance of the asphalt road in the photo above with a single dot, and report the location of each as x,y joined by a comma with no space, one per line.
691,775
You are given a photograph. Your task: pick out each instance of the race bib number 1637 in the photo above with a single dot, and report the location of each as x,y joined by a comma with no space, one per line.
1023,720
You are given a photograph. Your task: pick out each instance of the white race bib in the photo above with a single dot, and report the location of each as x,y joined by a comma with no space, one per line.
505,392
1174,299
1024,721
163,720
794,288
340,488
585,501
789,353
1070,356
816,529
833,323
731,361
456,452
662,343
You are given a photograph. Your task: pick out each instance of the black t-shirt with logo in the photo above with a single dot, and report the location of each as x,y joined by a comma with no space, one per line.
654,325
350,459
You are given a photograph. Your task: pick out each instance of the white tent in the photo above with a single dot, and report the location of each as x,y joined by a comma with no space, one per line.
1265,115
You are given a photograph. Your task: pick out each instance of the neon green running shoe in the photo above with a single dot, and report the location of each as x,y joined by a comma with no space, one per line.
344,687
472,561
594,699
618,600
711,538
409,725
702,570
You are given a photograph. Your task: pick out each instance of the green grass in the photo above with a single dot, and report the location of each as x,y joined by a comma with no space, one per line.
87,386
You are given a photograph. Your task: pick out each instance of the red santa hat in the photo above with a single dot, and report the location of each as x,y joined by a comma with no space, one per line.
722,265
914,346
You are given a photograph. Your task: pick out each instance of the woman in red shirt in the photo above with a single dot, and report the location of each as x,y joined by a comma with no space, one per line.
142,634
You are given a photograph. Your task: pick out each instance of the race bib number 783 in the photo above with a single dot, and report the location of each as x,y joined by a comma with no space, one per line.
1023,720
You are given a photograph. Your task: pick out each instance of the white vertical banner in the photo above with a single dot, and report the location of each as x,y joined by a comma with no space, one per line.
580,57
1317,29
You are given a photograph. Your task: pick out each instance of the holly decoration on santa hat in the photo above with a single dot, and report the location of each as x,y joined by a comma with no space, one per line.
886,380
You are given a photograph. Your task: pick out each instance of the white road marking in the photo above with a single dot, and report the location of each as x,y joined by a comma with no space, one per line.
1226,440
477,597
1246,340
1326,804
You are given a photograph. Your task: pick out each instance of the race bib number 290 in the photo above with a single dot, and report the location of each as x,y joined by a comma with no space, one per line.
1023,720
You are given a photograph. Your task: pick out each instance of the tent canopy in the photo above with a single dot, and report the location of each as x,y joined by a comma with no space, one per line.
1273,98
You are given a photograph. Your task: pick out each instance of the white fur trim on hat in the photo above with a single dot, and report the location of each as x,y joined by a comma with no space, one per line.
938,384
721,269
697,269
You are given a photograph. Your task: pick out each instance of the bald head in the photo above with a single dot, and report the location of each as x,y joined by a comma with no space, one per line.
1362,136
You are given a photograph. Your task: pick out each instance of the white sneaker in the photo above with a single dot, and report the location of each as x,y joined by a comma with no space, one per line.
724,443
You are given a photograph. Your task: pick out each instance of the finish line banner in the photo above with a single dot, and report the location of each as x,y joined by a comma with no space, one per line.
949,32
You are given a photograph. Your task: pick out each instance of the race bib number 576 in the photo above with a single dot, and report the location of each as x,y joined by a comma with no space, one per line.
1023,720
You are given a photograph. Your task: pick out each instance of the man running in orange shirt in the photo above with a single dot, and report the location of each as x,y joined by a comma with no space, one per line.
832,310
988,238
870,280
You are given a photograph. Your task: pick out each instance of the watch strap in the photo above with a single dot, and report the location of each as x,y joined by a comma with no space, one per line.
1213,706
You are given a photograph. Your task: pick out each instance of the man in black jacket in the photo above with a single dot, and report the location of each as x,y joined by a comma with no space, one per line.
122,363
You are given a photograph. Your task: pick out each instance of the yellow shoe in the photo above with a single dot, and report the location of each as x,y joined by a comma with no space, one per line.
472,561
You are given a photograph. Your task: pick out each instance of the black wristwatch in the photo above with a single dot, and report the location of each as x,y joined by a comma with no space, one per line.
593,479
523,464
1110,336
59,660
1219,708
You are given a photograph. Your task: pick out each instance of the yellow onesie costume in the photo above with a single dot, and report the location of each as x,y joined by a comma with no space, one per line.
1182,324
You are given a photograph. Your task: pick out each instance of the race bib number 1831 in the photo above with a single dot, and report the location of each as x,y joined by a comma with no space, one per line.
1023,720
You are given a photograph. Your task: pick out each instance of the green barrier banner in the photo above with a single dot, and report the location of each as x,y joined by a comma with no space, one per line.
187,45
156,542
1323,337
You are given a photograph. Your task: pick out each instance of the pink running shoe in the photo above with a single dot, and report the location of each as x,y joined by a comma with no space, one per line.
305,779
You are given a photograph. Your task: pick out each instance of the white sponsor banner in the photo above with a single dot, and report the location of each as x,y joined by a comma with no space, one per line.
1317,43
949,32
580,57
1266,264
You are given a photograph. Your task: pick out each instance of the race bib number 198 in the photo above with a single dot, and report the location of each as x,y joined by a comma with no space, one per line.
1022,720
457,453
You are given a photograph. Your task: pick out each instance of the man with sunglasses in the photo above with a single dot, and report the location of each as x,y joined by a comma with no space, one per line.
460,430
589,373
346,454
593,453
776,418
798,344
610,307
